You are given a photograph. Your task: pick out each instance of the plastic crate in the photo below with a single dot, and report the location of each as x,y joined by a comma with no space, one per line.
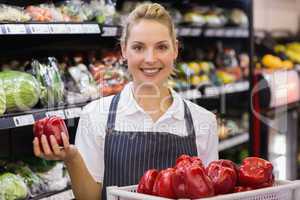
283,190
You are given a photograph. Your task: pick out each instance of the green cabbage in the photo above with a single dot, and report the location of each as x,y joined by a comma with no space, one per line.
2,99
12,187
22,90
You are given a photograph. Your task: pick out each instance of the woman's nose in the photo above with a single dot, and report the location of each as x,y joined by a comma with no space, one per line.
150,56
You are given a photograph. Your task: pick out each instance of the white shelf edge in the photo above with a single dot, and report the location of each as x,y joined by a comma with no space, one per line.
234,141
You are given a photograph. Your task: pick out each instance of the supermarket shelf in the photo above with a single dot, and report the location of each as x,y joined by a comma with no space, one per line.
111,31
233,141
66,194
226,89
215,91
222,32
26,118
191,94
49,28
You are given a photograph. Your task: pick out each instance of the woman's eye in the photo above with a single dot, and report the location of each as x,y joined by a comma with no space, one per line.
137,48
162,47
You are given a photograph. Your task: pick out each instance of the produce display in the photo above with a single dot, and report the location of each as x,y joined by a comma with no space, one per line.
31,177
22,90
219,66
52,87
189,178
202,15
110,73
68,11
50,126
12,187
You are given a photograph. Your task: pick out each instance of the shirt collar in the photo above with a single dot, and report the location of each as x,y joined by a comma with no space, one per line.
128,105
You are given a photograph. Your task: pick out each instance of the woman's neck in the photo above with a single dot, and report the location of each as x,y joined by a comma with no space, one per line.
154,99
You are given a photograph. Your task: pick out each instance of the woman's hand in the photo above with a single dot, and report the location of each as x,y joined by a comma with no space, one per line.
53,151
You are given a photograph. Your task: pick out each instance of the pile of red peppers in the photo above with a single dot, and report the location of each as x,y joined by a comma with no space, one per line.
190,179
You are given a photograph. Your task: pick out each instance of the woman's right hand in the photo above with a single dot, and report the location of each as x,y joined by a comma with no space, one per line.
53,151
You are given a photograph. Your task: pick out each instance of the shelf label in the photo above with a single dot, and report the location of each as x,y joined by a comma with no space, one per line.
59,113
75,28
72,112
91,28
23,120
184,31
209,32
39,28
196,32
58,29
66,195
110,31
211,91
15,29
242,86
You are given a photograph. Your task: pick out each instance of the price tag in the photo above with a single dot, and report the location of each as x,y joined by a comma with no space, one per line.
58,113
209,33
15,29
39,28
91,28
23,120
75,28
185,31
196,31
219,32
229,88
229,33
242,86
58,29
72,112
212,91
66,195
110,31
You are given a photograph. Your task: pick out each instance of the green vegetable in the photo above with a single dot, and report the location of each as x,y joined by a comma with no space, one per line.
52,86
2,99
12,187
39,164
21,89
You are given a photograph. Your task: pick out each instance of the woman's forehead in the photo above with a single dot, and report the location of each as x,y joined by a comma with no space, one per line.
149,30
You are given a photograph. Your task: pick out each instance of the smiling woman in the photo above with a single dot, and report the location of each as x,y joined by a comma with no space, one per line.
145,126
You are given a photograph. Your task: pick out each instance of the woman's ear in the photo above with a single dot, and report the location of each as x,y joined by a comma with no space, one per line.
176,47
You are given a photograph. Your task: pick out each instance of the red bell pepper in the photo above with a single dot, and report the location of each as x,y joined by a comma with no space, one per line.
223,175
147,181
268,183
38,127
163,184
255,171
185,160
55,126
198,184
50,126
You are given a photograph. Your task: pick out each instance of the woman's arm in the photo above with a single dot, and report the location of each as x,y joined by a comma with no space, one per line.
83,184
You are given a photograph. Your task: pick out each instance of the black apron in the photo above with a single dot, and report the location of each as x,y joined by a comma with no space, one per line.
127,155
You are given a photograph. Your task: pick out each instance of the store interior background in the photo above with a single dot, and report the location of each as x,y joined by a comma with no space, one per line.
269,128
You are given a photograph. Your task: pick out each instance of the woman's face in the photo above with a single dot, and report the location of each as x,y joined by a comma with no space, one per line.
150,52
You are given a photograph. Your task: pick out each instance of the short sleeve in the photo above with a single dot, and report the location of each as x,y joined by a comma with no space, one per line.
89,140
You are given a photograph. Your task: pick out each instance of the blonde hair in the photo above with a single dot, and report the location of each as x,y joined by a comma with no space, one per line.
151,11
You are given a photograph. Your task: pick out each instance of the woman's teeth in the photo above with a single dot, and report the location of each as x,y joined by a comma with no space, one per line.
151,71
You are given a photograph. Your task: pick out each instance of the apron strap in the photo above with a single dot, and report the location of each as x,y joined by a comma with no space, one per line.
188,120
110,125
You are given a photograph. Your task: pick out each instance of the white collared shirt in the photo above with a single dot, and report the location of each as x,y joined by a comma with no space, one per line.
130,116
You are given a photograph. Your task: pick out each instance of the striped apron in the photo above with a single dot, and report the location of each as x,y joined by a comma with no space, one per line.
127,155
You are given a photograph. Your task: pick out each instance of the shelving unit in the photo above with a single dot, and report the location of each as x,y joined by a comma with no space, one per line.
13,125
